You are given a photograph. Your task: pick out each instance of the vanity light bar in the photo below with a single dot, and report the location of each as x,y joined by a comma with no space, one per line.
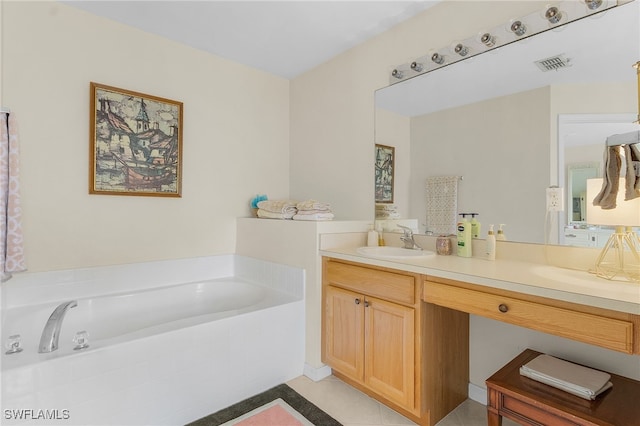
551,16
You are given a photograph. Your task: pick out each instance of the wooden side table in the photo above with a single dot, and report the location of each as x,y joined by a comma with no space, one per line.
532,403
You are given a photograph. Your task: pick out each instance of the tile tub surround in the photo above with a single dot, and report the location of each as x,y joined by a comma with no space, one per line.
174,377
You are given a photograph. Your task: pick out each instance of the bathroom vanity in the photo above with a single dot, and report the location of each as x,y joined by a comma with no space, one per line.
381,338
399,330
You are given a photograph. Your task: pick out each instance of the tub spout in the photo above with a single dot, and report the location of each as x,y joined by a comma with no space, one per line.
51,331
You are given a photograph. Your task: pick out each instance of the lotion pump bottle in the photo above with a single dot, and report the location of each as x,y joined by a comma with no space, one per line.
501,236
380,235
475,226
491,244
372,237
464,237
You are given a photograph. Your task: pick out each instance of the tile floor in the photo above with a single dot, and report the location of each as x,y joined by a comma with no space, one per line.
353,408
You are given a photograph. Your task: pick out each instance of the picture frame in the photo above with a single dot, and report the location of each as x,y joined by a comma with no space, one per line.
135,143
384,172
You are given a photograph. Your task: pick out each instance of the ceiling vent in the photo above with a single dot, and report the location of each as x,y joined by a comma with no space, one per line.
553,63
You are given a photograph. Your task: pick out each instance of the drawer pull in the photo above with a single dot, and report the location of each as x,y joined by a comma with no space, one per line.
357,301
503,308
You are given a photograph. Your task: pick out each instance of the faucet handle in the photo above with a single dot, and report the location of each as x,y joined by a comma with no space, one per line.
81,339
13,344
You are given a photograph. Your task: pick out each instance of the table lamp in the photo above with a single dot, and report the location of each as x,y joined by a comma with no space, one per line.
620,256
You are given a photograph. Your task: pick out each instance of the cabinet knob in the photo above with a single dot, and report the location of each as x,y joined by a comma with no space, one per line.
366,303
503,308
357,301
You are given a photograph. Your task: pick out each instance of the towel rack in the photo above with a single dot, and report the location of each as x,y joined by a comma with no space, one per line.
624,139
5,109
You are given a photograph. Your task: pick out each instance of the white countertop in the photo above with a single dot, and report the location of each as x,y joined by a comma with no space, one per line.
523,277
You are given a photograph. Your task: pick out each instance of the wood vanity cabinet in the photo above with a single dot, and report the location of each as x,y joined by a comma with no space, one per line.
381,338
403,338
606,328
372,340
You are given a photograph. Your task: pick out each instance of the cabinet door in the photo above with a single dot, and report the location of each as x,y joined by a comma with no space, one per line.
389,350
344,331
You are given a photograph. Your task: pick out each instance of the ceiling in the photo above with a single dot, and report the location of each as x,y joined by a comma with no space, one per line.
284,38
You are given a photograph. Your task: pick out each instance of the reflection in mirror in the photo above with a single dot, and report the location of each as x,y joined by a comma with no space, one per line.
580,141
577,189
494,119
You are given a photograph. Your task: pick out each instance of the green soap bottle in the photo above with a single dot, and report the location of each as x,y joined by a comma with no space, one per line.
464,236
475,226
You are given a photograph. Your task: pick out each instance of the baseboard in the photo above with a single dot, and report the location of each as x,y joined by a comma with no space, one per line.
478,394
316,374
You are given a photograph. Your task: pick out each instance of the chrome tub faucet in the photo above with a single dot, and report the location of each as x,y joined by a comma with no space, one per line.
407,239
51,331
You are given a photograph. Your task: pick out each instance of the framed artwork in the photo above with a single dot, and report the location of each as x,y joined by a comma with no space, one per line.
136,143
385,157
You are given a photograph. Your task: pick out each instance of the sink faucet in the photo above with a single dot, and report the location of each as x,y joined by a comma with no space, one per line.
51,331
407,239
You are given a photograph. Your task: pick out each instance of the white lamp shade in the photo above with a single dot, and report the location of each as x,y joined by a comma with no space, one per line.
626,213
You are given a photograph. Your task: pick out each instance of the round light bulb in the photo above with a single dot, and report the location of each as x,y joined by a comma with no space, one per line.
437,58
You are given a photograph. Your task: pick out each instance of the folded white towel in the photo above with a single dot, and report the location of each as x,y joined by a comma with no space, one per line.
309,212
279,206
387,215
386,207
265,214
314,216
576,379
313,205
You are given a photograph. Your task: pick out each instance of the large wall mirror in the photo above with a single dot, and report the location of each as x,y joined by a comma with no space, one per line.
510,129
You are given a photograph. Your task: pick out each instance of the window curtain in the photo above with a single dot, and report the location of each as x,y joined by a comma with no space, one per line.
11,239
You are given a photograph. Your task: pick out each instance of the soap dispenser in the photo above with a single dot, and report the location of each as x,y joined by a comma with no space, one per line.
464,236
501,236
475,226
491,244
380,235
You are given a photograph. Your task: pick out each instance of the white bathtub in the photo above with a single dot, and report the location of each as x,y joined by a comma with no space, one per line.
167,354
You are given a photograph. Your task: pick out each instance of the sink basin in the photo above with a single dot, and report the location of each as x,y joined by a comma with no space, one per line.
387,252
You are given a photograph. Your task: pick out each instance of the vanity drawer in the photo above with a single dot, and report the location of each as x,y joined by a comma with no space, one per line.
373,282
586,327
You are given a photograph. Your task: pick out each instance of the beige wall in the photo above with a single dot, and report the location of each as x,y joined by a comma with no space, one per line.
501,148
236,139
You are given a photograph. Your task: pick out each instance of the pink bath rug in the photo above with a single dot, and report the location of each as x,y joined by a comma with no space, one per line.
278,406
275,413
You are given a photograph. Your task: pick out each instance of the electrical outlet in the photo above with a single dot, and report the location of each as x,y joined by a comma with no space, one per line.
554,199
